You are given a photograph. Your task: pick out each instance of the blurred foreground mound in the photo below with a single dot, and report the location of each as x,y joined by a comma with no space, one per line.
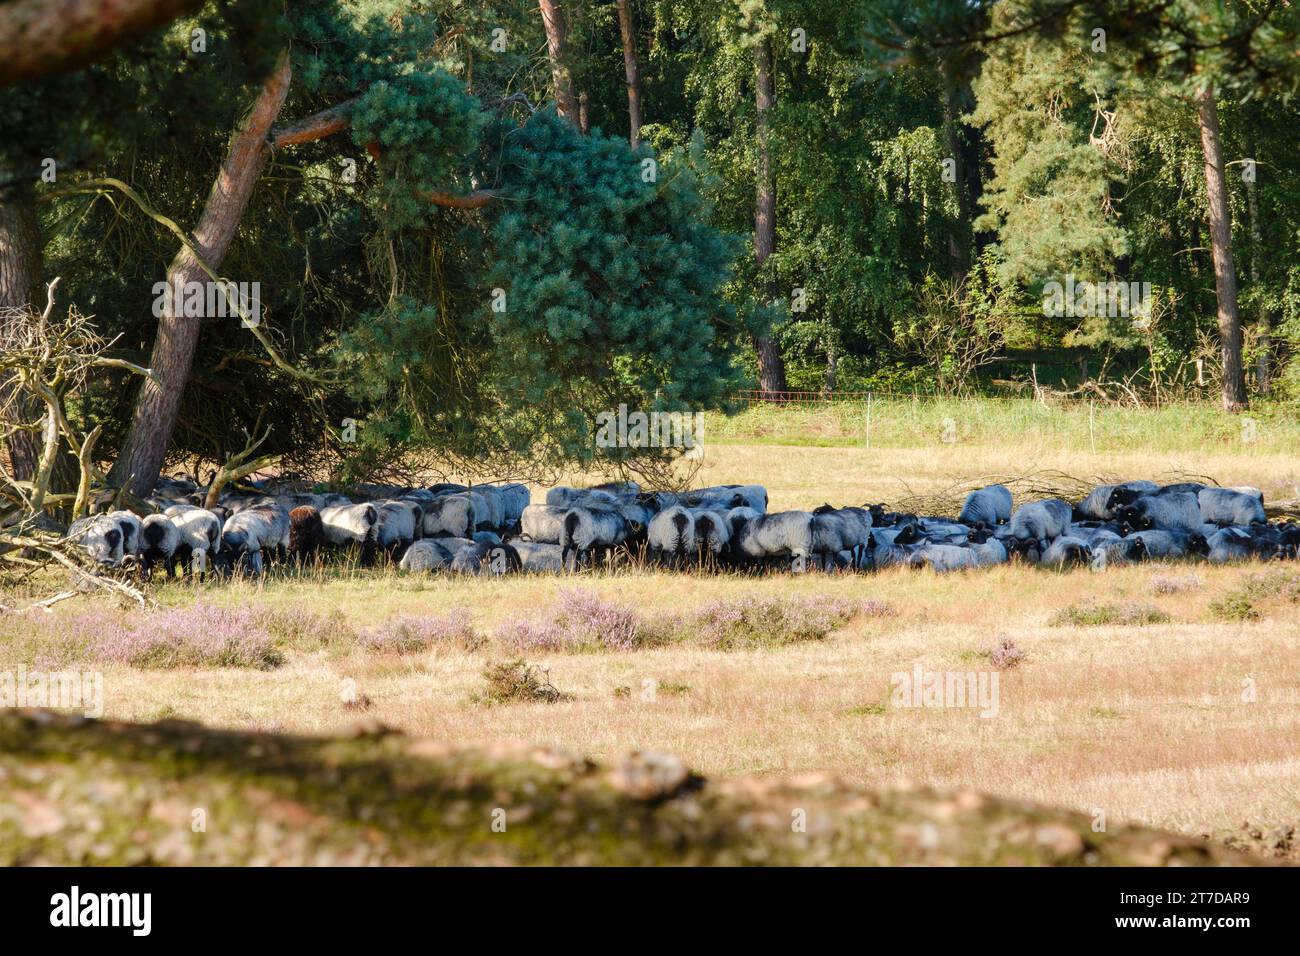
76,791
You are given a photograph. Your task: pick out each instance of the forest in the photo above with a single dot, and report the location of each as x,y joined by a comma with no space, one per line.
456,232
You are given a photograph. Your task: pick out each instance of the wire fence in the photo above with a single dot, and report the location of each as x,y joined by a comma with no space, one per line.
757,398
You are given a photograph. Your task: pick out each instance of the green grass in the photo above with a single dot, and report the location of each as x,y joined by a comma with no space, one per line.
903,423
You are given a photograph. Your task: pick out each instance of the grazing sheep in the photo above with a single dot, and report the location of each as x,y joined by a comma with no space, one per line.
306,533
712,535
200,531
427,554
159,539
786,534
671,534
251,532
101,538
536,557
542,523
1041,521
400,524
588,531
130,525
986,507
454,514
352,527
1179,511
1226,508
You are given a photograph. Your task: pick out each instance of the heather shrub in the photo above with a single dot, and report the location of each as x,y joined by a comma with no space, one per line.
1175,584
412,634
1236,606
201,635
1100,615
1005,655
519,681
580,619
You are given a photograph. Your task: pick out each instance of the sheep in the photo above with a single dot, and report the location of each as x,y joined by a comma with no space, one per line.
986,507
351,526
1040,521
784,534
567,498
1232,544
854,528
1065,551
491,505
943,557
1161,543
159,540
893,546
427,554
306,533
1180,511
400,523
251,531
830,534
590,530
538,557
542,523
671,534
1125,495
1097,504
101,538
725,497
514,499
455,514
1226,508
483,556
989,552
712,535
131,526
200,531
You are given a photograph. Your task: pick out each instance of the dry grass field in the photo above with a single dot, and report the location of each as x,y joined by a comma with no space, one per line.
1162,695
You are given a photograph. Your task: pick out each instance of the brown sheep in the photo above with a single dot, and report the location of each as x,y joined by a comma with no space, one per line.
306,533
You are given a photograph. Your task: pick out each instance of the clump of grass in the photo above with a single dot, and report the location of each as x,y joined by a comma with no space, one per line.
867,710
1175,583
1236,606
581,619
201,635
413,634
1273,584
519,681
1100,615
303,628
1005,655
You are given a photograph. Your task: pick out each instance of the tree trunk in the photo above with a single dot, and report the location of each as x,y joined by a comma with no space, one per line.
154,420
1225,280
566,100
21,260
771,368
632,70
959,262
1264,370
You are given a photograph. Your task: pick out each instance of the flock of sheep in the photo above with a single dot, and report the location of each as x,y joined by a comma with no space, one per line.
494,528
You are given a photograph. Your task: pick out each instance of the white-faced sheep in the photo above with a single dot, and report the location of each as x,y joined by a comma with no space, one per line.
986,507
1226,508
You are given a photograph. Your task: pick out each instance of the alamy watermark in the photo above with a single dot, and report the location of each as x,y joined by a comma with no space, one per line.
1078,300
945,690
62,690
209,300
624,429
